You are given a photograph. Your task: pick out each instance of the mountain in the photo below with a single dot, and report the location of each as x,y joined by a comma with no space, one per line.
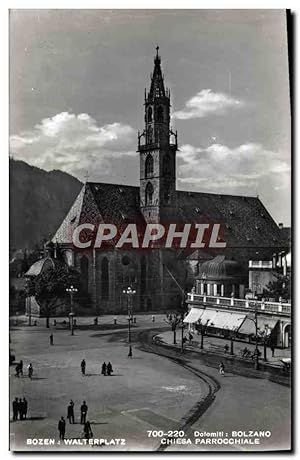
39,200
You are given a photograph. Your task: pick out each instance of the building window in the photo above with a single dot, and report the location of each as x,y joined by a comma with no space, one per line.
84,269
149,115
149,166
104,279
149,194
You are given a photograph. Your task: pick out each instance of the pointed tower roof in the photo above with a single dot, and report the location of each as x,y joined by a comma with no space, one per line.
157,88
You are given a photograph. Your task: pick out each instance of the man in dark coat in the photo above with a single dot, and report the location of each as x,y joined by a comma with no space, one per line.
51,339
62,428
109,369
130,352
15,409
25,407
83,411
103,370
83,366
71,412
21,409
18,370
87,430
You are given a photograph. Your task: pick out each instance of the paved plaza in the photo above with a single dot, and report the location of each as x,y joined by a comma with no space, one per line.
147,392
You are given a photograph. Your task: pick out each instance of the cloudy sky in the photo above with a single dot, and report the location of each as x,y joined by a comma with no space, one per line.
77,83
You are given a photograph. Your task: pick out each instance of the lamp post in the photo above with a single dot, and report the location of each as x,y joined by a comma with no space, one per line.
130,293
256,364
265,338
203,328
182,332
71,290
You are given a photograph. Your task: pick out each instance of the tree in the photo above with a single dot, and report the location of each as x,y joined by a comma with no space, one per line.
280,287
49,288
202,328
173,320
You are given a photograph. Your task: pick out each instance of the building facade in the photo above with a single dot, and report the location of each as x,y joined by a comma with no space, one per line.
159,276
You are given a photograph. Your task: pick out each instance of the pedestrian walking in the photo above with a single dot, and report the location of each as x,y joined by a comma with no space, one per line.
226,348
273,350
25,407
130,352
87,430
51,339
83,366
15,409
83,411
221,368
62,428
70,415
30,371
17,374
109,369
103,369
21,409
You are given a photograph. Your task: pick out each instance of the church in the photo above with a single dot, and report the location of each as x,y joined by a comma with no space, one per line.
160,277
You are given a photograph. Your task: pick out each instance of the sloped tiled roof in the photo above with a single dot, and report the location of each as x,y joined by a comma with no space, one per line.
246,221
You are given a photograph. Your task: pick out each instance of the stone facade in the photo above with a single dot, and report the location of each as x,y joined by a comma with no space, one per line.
158,276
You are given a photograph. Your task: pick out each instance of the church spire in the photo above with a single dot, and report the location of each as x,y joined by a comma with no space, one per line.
157,145
157,88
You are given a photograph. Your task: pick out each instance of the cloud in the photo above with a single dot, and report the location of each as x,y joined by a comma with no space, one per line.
75,143
207,103
246,169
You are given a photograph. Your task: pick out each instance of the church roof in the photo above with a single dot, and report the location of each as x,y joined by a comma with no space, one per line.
247,223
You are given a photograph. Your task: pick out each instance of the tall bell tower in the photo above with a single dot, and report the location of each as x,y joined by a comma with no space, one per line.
157,146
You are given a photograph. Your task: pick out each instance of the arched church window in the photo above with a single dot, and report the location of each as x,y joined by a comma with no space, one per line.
166,165
149,166
104,279
160,114
149,194
149,114
84,269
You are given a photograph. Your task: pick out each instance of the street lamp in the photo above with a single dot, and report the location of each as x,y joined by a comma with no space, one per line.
182,332
254,320
203,328
130,293
71,290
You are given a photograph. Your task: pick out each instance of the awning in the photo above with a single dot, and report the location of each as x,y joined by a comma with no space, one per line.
263,323
193,316
208,317
227,320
